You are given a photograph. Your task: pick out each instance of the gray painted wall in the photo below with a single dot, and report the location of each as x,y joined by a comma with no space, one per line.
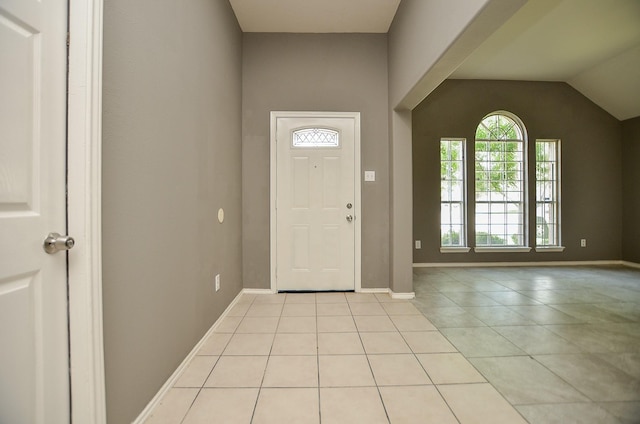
591,163
427,40
314,72
420,33
631,189
171,158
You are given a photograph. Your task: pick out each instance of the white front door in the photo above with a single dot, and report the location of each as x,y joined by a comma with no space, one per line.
34,359
317,191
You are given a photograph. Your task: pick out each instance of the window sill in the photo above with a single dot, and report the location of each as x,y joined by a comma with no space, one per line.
550,249
519,249
455,249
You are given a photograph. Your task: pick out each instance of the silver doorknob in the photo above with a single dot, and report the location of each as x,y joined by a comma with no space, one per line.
349,218
55,243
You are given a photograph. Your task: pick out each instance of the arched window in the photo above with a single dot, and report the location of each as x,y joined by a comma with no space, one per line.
500,182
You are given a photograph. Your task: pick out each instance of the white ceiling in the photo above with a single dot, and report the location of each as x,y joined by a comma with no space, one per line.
594,45
315,16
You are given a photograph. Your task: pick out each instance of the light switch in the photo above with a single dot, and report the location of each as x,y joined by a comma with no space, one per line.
369,175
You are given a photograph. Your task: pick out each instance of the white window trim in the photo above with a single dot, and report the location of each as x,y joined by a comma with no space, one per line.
455,249
464,203
549,249
558,247
525,187
502,249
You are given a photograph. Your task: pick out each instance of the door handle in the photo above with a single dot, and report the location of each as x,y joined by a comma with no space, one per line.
349,218
55,243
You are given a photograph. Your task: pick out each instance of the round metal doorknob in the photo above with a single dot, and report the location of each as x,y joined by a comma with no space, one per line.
349,218
55,243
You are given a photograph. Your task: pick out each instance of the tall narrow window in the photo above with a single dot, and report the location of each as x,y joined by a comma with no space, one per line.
500,192
452,193
548,193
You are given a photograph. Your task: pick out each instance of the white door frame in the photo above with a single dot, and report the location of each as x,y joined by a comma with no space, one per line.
84,144
357,188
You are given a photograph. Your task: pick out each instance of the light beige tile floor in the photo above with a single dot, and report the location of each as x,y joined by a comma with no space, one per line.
328,358
477,345
561,344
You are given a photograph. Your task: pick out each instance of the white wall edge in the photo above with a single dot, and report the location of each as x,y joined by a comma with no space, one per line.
402,296
153,403
508,264
84,167
273,226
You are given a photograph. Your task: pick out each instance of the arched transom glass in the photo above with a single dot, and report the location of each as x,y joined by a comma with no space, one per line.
499,127
316,137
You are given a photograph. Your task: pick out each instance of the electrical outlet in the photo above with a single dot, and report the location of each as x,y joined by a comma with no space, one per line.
217,282
583,242
418,244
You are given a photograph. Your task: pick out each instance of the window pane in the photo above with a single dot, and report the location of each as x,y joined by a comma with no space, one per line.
452,192
500,182
547,190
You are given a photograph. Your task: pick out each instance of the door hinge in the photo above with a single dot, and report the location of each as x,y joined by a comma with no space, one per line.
68,39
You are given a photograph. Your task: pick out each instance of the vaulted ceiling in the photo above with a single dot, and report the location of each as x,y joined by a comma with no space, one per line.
594,45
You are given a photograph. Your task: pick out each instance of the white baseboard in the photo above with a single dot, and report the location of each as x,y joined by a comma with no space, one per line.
391,293
258,291
508,264
146,412
402,296
631,264
373,290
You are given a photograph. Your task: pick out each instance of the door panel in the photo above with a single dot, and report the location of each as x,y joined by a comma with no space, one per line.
299,178
315,181
34,357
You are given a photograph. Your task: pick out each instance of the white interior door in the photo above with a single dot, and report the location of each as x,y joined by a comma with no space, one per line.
316,186
34,360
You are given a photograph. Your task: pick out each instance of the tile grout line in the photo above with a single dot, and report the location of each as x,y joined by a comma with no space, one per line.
384,406
318,360
201,388
266,365
467,359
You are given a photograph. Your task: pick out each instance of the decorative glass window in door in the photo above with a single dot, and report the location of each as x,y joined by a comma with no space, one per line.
316,137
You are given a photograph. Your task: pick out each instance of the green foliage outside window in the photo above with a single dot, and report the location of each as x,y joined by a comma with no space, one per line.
486,239
499,178
498,152
450,238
